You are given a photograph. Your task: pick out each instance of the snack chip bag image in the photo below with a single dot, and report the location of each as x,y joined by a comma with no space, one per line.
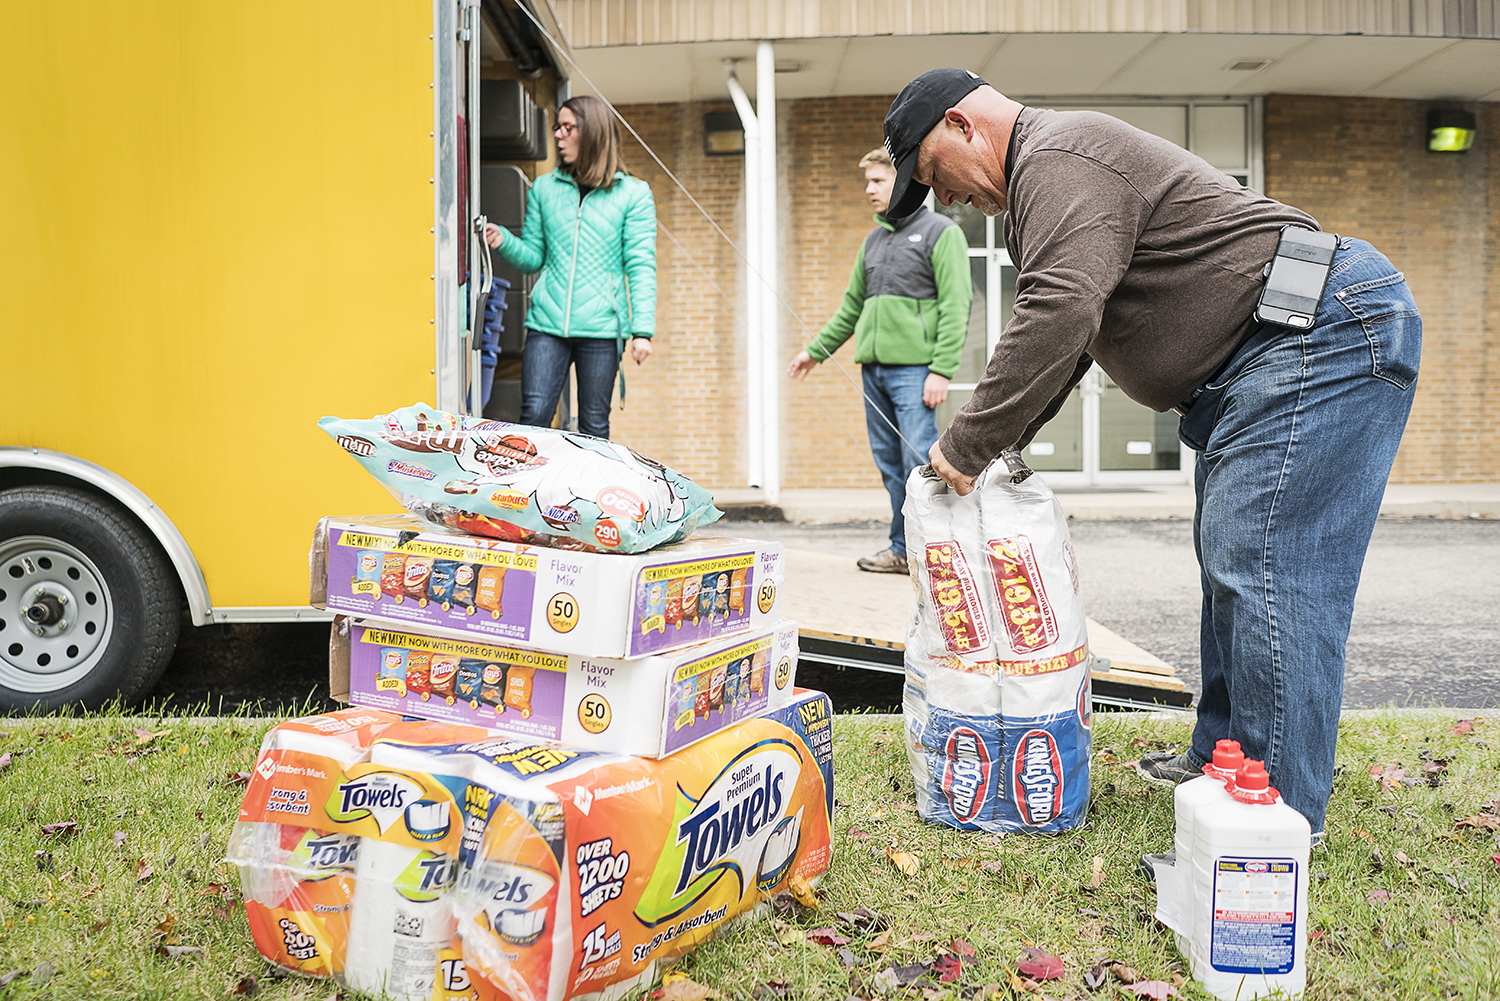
674,604
737,591
716,680
655,617
707,595
518,688
524,484
687,694
367,573
440,583
721,595
445,677
701,704
758,672
419,674
393,576
690,586
464,578
418,569
466,683
490,589
392,676
492,687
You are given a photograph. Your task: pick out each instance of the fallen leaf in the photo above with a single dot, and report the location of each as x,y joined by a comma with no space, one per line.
885,981
681,988
1463,727
1124,974
803,892
59,829
1158,989
948,967
908,975
857,834
236,778
178,951
826,936
1040,965
1403,859
144,737
119,838
1096,879
1496,860
846,958
9,975
4,761
1095,977
1453,881
1378,896
244,987
905,861
1479,822
786,934
961,948
43,861
143,871
861,919
880,942
993,865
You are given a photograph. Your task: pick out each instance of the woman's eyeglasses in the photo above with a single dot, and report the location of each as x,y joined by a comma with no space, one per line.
564,129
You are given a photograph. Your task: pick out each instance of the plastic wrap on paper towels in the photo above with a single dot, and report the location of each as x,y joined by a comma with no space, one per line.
997,697
522,483
561,872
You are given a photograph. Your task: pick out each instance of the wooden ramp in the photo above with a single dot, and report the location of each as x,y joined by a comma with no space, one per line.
851,618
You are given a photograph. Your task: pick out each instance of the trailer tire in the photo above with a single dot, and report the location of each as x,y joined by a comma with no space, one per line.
89,606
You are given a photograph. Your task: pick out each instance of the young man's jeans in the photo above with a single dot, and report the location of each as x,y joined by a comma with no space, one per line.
893,395
1295,440
544,372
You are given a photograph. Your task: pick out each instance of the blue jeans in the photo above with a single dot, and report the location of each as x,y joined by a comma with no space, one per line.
544,372
1295,440
893,393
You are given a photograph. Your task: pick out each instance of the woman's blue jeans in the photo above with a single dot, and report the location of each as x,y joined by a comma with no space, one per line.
1295,441
544,372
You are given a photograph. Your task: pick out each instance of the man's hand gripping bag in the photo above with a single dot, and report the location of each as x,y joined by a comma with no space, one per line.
997,699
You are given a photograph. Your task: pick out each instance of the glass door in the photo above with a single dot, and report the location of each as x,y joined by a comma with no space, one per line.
1101,437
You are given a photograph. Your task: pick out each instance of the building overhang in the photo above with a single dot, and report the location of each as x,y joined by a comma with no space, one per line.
673,50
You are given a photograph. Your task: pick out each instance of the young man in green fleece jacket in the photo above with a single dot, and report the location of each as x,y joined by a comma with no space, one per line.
907,306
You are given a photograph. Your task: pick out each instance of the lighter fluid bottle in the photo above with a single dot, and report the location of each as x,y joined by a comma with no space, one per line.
1189,799
1249,892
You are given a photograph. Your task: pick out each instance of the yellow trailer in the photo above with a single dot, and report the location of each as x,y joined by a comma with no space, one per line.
221,221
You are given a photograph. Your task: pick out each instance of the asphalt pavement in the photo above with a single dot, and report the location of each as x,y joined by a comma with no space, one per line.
1426,628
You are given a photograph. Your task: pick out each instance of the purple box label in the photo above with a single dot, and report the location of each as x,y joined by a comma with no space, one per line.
456,585
518,691
719,690
692,601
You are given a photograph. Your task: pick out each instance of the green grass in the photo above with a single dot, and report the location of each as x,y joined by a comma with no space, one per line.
98,925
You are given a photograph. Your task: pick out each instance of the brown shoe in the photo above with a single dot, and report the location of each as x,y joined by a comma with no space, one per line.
885,561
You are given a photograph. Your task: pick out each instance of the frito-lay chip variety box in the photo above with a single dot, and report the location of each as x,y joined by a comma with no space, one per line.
650,706
404,569
411,858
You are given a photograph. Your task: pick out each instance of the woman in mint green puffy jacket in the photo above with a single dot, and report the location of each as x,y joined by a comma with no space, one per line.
590,230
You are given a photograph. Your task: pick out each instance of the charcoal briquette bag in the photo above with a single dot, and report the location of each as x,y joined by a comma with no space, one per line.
997,701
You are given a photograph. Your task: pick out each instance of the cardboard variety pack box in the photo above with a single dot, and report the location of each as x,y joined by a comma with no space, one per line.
403,569
648,706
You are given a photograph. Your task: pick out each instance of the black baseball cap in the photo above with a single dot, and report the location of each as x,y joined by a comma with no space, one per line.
915,112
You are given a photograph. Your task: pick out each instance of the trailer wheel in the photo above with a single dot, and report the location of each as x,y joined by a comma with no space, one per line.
89,606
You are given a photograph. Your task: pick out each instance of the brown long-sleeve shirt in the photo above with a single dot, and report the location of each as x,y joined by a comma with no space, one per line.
1131,252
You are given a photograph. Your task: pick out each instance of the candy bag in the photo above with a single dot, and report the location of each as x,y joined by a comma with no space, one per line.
522,484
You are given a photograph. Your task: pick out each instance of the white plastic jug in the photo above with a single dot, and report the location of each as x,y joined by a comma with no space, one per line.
1174,882
1248,868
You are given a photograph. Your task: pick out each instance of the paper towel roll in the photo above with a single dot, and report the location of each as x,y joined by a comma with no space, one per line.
400,919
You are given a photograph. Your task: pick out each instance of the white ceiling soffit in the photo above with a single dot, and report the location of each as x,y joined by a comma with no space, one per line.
1110,64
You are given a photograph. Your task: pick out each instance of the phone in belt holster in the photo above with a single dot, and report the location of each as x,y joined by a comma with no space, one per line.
1296,277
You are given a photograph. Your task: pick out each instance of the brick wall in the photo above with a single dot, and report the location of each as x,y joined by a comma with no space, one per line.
687,405
1362,168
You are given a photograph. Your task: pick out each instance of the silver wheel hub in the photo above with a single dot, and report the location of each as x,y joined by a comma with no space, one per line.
56,614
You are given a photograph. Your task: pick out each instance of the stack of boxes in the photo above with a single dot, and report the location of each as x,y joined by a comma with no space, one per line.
512,703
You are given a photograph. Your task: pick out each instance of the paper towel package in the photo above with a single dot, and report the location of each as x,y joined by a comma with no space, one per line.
404,569
997,701
562,872
649,706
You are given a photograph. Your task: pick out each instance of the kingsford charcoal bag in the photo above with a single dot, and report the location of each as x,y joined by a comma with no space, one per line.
997,698
518,483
